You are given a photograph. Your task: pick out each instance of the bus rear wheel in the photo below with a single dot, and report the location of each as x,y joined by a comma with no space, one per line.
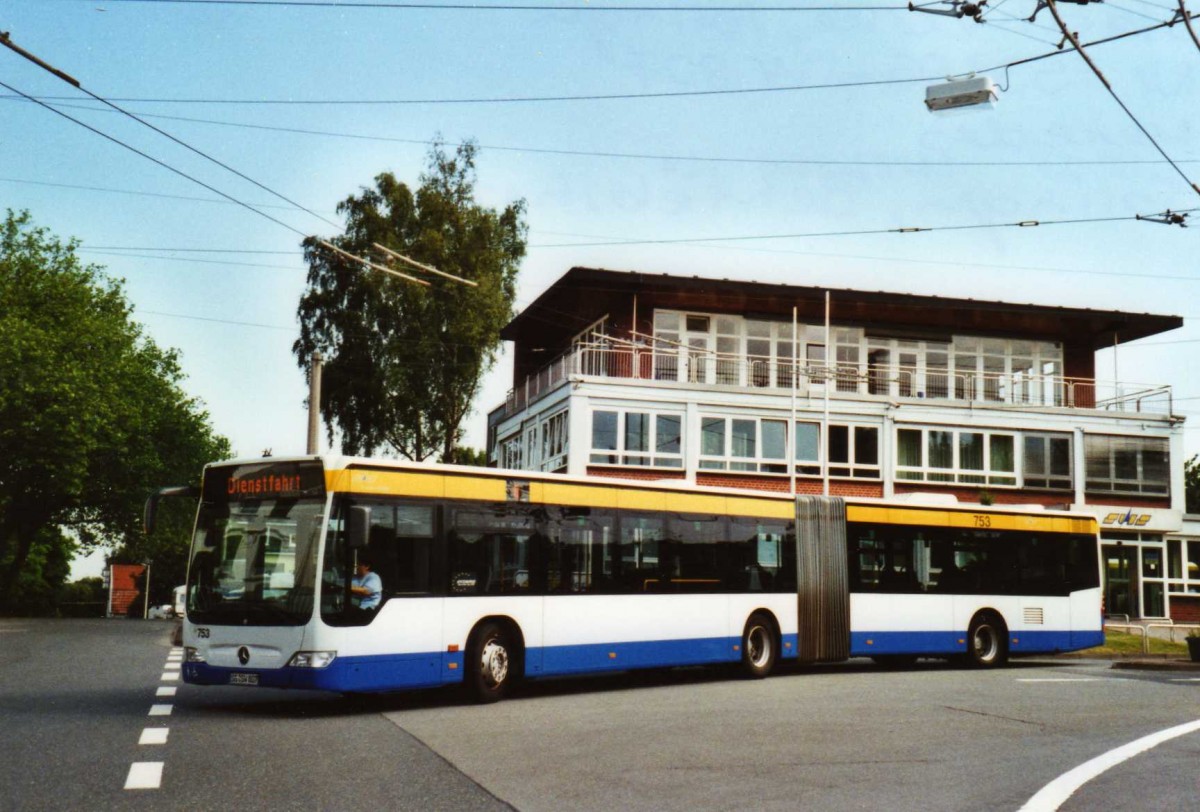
759,649
491,663
987,642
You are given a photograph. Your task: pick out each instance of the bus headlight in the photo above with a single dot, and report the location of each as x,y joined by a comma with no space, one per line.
312,659
192,655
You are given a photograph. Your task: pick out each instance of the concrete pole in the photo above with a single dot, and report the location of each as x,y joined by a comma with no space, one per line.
314,404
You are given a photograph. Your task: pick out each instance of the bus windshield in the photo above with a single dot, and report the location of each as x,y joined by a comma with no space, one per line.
253,562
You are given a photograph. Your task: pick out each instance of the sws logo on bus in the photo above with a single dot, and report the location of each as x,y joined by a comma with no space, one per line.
1127,519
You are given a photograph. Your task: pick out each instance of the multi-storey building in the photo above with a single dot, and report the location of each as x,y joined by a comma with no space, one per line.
845,392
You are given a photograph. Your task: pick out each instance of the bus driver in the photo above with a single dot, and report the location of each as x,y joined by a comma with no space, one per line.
366,586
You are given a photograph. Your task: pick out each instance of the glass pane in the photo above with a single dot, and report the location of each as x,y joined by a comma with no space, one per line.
941,449
697,324
712,436
1060,456
666,321
1035,456
774,439
839,444
637,431
744,435
604,430
866,445
970,451
909,451
808,437
667,434
1002,452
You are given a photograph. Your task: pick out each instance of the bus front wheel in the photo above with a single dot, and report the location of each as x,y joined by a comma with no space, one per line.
987,641
759,649
491,662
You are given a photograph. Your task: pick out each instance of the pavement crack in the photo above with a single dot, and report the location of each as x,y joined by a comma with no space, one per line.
1039,725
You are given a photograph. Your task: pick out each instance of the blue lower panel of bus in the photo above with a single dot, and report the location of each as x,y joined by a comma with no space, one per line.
369,673
398,671
869,644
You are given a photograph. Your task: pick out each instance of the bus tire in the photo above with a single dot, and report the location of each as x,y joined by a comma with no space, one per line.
491,663
760,646
987,641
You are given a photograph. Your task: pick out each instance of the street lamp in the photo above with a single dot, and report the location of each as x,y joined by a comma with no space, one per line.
958,93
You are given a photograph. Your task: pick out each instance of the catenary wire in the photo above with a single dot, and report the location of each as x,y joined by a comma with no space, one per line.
151,158
631,155
1074,40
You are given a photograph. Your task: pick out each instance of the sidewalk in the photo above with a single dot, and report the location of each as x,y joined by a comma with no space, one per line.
1157,664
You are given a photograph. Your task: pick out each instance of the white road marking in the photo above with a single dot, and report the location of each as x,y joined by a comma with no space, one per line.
172,666
1185,679
160,710
174,658
170,676
166,690
154,735
144,775
1064,679
1054,794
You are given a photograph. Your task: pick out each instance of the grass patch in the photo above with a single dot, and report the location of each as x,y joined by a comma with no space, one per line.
1123,644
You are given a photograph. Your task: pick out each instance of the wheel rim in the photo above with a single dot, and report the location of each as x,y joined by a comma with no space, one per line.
758,646
986,643
493,663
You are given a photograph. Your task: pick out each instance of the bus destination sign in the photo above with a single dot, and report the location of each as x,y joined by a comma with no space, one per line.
268,480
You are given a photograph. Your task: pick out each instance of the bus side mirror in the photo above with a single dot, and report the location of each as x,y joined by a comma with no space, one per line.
150,516
358,527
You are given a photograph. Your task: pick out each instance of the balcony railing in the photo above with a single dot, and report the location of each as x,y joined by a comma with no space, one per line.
892,382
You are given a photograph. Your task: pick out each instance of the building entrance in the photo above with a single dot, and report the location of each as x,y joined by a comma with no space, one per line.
1120,580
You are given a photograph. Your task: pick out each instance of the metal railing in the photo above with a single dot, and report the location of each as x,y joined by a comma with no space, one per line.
676,364
1144,630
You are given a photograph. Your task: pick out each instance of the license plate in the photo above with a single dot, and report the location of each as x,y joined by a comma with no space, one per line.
243,679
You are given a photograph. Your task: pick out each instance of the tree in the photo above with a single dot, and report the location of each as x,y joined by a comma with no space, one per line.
92,416
1191,484
403,361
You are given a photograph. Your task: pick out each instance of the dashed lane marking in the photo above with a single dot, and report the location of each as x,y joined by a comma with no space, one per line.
1055,794
166,690
1066,679
170,676
144,775
160,710
154,735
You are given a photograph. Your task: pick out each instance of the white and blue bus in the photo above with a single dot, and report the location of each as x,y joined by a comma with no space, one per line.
490,576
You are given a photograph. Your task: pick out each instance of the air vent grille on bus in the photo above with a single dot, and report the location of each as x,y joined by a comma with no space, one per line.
1033,616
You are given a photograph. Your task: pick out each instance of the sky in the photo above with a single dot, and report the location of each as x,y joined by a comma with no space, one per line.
709,139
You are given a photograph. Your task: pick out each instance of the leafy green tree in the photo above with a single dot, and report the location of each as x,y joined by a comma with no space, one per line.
1191,484
403,361
92,416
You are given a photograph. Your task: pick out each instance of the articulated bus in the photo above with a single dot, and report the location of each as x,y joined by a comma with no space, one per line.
490,576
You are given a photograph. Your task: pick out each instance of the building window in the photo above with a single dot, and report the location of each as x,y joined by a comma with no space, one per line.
956,456
759,445
554,442
1183,567
637,438
1047,461
1127,465
508,454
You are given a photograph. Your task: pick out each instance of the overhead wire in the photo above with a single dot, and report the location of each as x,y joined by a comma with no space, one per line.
633,155
151,158
1074,40
7,42
553,7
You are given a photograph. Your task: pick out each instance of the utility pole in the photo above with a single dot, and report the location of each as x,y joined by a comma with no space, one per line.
314,403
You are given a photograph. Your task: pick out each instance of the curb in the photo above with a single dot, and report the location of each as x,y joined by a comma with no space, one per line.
1157,665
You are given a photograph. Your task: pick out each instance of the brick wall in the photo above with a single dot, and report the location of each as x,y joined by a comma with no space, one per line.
999,497
1185,610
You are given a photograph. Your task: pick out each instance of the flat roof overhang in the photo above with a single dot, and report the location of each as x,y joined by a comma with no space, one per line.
583,295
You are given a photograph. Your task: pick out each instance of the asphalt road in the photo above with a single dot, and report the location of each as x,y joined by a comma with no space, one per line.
76,698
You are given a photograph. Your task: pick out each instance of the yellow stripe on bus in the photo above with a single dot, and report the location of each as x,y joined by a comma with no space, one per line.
634,497
976,520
